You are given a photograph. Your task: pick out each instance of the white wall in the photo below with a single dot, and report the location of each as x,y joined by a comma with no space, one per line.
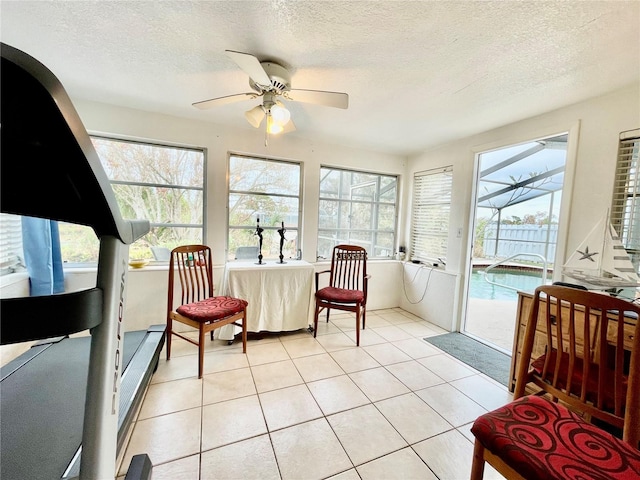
429,293
594,127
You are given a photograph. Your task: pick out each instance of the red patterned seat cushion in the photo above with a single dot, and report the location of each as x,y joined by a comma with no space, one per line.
340,295
212,309
543,440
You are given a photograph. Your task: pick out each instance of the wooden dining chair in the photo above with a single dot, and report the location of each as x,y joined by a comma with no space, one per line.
197,306
580,401
347,289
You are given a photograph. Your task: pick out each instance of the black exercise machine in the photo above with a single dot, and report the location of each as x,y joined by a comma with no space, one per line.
67,403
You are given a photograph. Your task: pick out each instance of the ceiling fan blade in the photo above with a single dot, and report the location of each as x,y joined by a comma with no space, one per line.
215,102
251,66
255,116
319,97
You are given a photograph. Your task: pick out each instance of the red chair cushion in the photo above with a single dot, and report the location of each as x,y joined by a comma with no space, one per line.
340,295
212,309
543,440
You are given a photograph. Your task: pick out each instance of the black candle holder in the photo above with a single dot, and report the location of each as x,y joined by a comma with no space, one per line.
282,231
258,232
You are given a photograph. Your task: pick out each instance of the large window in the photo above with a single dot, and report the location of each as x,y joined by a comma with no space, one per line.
267,190
159,183
430,214
625,206
357,208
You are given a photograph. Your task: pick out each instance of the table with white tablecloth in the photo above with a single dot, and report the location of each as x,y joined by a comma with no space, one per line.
280,295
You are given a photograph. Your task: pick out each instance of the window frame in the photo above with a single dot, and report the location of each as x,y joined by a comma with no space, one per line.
374,230
441,179
150,143
267,228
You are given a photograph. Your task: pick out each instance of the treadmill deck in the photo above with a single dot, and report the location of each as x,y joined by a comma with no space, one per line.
43,397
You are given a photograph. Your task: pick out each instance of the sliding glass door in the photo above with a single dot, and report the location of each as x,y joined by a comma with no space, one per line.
517,205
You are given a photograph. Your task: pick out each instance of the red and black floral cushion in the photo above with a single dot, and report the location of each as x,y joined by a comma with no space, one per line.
340,295
212,309
543,440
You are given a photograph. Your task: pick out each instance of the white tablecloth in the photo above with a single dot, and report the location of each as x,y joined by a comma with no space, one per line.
280,296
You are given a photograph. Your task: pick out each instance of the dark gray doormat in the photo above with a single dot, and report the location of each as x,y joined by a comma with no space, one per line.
483,358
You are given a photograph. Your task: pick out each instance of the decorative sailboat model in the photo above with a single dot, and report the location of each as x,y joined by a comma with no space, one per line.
601,260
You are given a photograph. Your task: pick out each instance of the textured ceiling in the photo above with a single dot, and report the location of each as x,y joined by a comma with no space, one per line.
418,74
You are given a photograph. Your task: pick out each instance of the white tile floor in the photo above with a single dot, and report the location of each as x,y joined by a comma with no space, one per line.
295,407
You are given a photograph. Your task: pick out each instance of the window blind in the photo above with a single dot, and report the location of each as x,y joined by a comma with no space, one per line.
625,206
10,243
430,214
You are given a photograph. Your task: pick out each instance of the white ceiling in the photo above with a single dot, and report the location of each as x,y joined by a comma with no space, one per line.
418,73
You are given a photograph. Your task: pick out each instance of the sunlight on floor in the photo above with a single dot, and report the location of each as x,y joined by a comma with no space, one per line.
492,320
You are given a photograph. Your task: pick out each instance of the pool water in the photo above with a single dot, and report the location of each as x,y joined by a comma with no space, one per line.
521,280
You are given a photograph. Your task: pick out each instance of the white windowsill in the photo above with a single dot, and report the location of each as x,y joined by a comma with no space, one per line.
13,278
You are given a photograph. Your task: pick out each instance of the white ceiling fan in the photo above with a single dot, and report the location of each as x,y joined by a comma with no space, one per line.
272,81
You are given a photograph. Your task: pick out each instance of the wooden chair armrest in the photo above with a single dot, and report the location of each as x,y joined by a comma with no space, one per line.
318,276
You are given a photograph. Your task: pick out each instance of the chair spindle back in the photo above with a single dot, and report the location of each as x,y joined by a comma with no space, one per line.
348,267
191,264
599,379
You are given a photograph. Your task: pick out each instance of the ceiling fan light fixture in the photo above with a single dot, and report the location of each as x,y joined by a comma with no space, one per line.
280,114
255,115
273,127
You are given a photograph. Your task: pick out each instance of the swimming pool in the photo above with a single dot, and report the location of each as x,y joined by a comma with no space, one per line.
522,280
